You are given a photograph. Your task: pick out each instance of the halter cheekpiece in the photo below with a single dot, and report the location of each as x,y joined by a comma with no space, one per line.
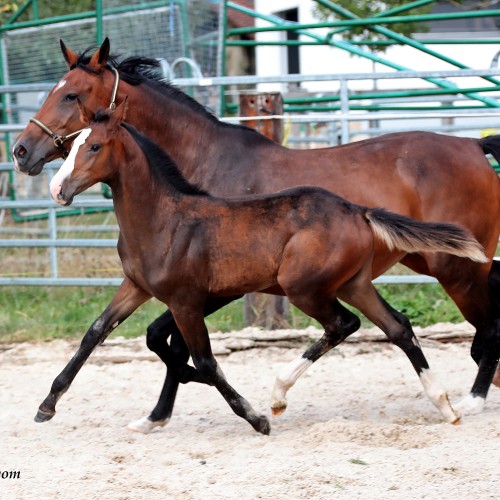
59,140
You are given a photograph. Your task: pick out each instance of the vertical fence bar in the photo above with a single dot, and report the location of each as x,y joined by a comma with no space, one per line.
344,109
98,22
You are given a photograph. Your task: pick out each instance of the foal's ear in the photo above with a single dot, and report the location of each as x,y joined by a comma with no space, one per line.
100,58
70,56
86,116
120,113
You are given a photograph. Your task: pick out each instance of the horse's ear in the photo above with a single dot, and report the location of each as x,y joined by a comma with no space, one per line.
86,116
100,58
120,113
70,56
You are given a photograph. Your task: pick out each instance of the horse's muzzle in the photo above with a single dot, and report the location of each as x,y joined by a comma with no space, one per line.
23,161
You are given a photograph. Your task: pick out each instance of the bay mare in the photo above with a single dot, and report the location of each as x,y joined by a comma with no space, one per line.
181,245
427,176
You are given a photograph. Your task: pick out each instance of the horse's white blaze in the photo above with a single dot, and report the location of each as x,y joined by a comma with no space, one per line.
470,405
68,166
145,425
438,396
60,85
286,379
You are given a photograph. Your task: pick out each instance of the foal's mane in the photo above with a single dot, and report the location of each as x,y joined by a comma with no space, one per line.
140,70
163,168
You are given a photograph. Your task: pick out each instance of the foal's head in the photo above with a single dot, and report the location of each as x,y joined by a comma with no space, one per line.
94,155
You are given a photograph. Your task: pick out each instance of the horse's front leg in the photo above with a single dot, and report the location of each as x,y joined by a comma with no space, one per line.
175,358
195,333
486,352
126,300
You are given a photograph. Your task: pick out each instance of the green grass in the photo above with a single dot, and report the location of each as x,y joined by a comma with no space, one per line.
40,313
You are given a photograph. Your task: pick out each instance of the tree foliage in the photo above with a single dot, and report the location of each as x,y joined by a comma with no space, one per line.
369,8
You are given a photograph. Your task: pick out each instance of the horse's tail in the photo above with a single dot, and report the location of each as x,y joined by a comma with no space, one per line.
491,145
412,236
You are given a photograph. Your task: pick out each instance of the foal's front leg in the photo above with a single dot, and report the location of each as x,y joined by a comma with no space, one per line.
191,324
126,300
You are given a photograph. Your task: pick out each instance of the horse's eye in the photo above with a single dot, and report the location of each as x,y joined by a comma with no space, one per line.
95,147
71,97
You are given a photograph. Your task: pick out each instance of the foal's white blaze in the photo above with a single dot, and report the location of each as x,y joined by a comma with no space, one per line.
286,379
68,166
438,396
60,85
470,405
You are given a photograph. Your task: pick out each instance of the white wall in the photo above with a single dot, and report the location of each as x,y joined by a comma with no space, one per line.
271,60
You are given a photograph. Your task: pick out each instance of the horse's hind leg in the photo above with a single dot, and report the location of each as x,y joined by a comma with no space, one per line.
362,295
175,358
475,289
338,323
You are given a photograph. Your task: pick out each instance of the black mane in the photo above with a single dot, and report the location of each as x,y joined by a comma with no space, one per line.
161,165
139,70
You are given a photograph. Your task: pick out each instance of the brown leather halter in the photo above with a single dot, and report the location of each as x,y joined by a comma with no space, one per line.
59,140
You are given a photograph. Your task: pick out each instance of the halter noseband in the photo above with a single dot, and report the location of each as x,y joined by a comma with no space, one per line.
59,140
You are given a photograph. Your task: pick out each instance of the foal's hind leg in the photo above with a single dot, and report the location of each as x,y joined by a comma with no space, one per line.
362,295
175,358
338,323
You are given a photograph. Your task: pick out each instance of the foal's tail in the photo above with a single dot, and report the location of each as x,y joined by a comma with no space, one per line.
403,233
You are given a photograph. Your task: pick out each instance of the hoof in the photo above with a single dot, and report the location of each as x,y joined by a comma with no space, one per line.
278,408
457,421
470,405
44,416
263,426
145,425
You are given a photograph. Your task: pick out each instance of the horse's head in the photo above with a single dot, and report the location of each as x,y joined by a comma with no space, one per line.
90,159
49,133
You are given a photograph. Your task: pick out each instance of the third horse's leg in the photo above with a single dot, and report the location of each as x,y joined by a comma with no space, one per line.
175,358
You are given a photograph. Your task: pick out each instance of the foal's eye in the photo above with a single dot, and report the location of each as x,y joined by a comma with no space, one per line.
71,97
95,147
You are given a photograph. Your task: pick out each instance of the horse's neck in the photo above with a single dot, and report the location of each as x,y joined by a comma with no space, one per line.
139,200
181,131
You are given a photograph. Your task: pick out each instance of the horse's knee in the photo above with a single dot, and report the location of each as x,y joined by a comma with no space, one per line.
154,337
158,332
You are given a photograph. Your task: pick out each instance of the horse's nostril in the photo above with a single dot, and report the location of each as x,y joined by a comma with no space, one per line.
21,151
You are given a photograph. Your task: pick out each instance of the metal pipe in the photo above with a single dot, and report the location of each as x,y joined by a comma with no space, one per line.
370,21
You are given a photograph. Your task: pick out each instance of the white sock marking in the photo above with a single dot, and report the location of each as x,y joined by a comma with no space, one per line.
286,379
145,425
471,405
438,396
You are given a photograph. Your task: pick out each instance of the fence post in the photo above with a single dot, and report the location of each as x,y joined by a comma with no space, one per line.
264,310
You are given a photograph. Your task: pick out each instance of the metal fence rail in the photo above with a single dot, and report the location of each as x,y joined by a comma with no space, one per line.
340,129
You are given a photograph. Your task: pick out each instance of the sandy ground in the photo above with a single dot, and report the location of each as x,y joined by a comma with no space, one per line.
357,426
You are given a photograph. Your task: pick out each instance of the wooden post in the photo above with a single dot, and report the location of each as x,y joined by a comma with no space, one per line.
267,311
